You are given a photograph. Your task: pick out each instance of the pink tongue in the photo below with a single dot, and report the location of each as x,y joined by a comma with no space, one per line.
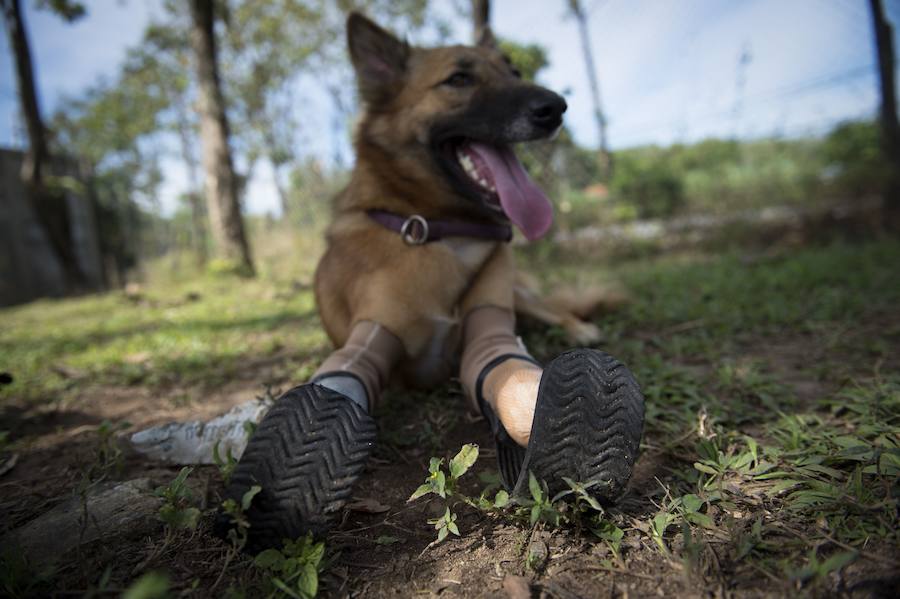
522,201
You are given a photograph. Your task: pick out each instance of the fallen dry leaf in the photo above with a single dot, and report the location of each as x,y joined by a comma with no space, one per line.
367,505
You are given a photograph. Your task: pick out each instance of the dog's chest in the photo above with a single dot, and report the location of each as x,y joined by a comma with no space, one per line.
471,254
439,358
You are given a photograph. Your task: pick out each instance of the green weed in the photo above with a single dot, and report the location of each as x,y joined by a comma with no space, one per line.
228,463
176,511
240,525
294,570
152,585
445,484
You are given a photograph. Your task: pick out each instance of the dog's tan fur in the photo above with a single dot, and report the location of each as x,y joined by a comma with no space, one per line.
420,293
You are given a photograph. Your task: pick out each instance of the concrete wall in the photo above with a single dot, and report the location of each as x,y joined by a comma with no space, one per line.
28,267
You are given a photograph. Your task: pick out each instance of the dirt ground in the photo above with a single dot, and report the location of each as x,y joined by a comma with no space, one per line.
364,565
383,547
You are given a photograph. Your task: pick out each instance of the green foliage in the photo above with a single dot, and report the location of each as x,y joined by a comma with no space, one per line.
69,10
152,585
652,186
176,511
227,464
445,524
542,508
853,156
446,486
20,579
240,525
224,268
157,338
818,570
528,59
108,457
294,570
720,175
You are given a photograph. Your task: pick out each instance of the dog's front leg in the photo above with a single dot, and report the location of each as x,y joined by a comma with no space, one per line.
579,419
362,367
496,368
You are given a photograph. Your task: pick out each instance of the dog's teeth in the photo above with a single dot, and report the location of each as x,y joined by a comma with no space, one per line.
468,166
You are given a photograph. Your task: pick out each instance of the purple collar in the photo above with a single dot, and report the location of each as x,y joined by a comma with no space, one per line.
417,230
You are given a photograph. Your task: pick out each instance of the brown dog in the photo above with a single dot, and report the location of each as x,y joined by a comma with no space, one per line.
418,278
422,106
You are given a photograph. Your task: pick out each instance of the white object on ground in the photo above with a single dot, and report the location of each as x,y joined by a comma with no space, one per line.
193,442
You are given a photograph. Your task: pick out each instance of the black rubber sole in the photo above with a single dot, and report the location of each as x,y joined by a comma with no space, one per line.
587,427
306,454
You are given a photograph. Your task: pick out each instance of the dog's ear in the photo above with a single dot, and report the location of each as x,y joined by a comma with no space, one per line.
378,57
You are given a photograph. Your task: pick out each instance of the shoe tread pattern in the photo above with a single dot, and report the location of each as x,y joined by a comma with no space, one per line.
306,454
587,425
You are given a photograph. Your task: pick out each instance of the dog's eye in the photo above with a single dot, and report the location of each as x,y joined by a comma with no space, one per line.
459,79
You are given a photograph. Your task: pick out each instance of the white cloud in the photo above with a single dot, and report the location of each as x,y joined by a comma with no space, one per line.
667,69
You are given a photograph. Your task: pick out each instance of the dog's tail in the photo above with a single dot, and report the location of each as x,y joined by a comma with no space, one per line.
569,308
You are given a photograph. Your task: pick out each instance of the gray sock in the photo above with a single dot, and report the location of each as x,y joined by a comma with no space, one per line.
346,385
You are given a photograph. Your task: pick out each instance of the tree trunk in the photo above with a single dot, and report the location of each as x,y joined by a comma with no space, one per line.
481,20
282,191
221,186
604,158
890,129
195,196
49,204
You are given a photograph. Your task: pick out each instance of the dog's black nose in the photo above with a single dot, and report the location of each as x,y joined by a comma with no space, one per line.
546,111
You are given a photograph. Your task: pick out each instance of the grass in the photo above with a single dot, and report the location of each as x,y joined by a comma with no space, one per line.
197,333
772,387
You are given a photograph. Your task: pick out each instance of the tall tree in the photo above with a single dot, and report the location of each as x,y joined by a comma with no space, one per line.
268,44
890,129
481,20
221,186
110,131
268,47
604,157
48,201
164,53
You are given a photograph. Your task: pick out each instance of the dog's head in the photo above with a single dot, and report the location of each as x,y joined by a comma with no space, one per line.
445,119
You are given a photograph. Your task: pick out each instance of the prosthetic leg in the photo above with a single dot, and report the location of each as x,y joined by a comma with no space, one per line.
312,445
580,418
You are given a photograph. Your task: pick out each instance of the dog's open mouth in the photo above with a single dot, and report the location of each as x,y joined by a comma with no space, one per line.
495,175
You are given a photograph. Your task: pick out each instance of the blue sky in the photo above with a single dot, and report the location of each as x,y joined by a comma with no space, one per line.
668,69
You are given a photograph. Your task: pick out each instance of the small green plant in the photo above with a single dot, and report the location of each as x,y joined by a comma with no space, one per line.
446,486
816,570
176,511
152,585
294,570
574,506
611,534
541,506
108,457
226,464
240,525
445,524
